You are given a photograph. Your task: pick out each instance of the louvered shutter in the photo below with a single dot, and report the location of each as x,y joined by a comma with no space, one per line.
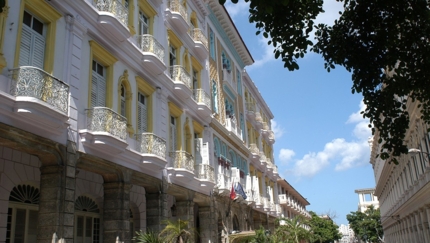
25,48
198,150
142,115
173,135
32,48
98,90
38,54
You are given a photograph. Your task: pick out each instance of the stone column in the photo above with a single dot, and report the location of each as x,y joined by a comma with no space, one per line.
185,211
116,211
206,220
57,195
156,211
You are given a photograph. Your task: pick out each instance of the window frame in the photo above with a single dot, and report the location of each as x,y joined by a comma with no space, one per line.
44,12
101,55
146,89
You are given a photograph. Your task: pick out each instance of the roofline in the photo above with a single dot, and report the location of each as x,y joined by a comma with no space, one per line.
237,31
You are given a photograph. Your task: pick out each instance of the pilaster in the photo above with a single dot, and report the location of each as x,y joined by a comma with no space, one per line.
116,211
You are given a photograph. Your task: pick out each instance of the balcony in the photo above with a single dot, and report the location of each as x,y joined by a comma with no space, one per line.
153,150
224,184
227,77
271,137
113,18
255,152
250,110
203,101
182,81
263,159
282,199
200,42
258,120
233,128
106,131
177,16
39,99
205,172
153,54
182,164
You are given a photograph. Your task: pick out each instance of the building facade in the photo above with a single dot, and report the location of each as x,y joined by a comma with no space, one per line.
117,115
347,234
366,197
403,190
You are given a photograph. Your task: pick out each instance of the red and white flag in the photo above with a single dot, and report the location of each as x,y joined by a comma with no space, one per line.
232,192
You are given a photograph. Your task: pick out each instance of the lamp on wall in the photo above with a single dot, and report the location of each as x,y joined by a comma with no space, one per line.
158,90
415,151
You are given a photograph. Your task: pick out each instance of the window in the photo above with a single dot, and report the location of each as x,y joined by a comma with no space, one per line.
172,56
239,82
32,42
101,75
87,221
144,106
143,24
214,97
174,128
36,35
212,44
98,85
122,102
174,48
22,214
173,134
142,114
146,17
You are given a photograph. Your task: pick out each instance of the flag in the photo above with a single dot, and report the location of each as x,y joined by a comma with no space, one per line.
239,190
232,192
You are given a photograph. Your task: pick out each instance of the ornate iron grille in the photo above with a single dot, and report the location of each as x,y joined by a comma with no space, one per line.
197,35
36,83
115,7
176,6
205,171
182,159
149,143
180,74
103,119
200,96
147,43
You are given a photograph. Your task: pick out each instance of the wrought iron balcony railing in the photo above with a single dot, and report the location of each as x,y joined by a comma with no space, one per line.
179,74
200,96
147,43
114,7
204,171
183,160
103,119
176,6
282,198
149,143
198,36
263,157
36,83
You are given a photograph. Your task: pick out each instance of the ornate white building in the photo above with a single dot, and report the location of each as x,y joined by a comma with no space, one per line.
347,234
403,190
116,115
366,197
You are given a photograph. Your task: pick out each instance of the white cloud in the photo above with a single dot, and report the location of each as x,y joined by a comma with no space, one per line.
238,9
265,53
277,129
285,155
347,154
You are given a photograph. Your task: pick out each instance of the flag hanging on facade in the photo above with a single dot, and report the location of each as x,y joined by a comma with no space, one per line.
239,190
232,192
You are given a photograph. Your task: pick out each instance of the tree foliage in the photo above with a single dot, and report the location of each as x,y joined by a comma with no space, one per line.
383,43
366,226
177,232
323,230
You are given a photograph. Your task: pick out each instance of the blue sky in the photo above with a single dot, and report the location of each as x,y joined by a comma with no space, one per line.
321,145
